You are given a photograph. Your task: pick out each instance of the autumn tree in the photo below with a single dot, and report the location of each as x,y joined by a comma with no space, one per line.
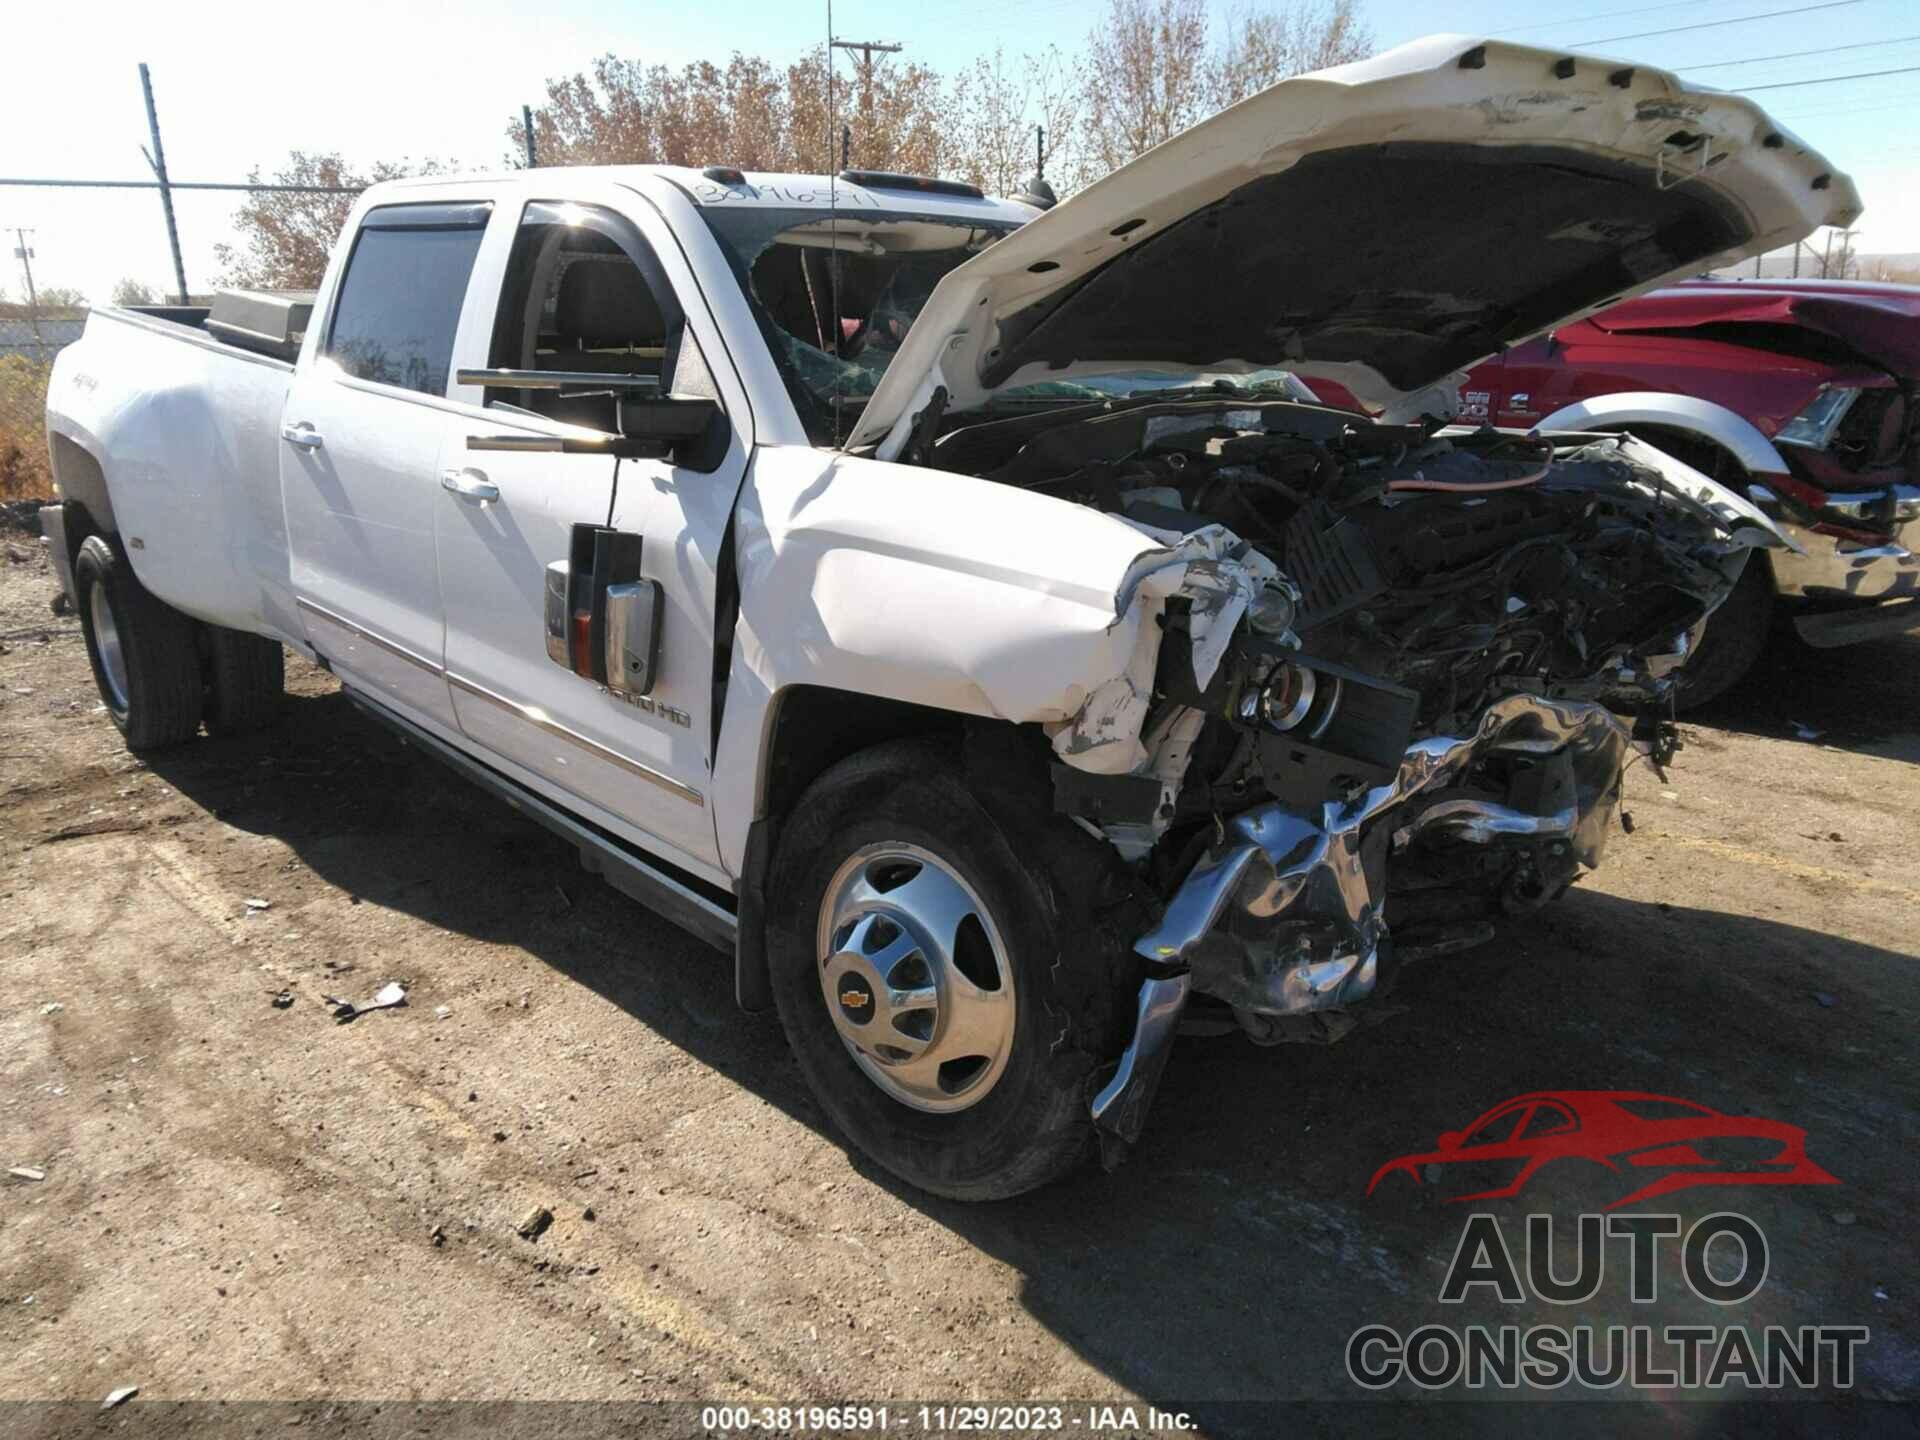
1154,68
286,236
129,291
999,104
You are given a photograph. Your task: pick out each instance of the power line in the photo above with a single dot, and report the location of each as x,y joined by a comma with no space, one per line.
1604,15
1714,24
1797,54
1830,79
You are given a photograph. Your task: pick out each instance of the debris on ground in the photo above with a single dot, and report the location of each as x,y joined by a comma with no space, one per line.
17,555
27,1172
438,1235
120,1396
391,994
281,999
1805,732
52,1007
441,1012
1844,1217
254,902
534,1223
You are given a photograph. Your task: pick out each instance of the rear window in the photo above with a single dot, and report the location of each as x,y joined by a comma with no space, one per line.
400,300
1656,1109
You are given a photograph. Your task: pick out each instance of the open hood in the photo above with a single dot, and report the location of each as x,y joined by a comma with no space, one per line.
1386,224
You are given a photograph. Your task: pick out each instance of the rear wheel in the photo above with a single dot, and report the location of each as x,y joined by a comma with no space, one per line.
930,980
145,655
246,680
1736,634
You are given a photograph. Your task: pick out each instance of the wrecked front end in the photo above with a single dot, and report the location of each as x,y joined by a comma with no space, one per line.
1387,685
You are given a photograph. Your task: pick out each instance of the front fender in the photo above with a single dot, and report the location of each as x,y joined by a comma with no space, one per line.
917,585
1732,432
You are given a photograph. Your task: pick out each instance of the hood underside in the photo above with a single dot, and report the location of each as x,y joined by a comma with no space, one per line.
1387,223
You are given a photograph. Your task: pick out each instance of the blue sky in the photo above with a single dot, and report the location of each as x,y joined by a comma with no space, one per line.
378,80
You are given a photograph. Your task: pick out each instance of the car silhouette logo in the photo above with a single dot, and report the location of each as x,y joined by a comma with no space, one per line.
1667,1143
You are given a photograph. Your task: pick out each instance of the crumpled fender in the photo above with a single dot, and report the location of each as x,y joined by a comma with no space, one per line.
956,593
1733,433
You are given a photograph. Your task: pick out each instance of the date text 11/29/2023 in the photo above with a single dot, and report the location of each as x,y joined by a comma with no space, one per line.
1081,1418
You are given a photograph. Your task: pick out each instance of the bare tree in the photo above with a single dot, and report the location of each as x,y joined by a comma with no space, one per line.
285,238
129,291
1263,47
998,105
1147,77
1153,67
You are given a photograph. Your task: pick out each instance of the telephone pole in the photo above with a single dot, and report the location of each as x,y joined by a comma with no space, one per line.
23,252
868,49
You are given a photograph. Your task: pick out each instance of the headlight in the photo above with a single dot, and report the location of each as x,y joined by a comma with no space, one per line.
1814,426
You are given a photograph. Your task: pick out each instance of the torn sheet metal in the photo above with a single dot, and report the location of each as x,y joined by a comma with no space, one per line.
1219,573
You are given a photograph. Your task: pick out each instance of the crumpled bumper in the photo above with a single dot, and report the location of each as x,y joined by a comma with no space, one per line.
1286,915
1825,567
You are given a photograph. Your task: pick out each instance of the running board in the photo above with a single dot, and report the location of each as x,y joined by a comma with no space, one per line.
1850,627
623,868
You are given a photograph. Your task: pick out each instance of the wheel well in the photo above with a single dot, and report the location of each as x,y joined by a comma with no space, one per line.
816,726
82,486
1690,447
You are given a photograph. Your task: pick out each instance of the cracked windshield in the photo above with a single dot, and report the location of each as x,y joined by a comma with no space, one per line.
836,297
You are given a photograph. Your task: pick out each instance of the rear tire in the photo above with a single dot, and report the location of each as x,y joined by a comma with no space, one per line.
145,654
1736,635
246,680
908,804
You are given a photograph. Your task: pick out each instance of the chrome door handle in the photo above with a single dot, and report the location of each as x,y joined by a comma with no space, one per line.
302,434
470,484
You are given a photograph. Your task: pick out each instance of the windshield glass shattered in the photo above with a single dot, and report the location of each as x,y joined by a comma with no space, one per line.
836,296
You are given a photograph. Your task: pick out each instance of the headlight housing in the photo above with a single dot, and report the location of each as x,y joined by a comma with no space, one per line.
1813,427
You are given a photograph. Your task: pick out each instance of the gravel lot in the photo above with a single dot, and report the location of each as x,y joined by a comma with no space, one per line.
242,1201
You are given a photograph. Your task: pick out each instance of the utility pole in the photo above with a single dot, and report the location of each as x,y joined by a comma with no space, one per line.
158,162
23,252
868,49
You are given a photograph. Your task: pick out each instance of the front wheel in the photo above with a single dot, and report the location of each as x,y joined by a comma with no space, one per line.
1736,633
928,976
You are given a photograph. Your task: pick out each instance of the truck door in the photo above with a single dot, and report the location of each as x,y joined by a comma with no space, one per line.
530,488
361,434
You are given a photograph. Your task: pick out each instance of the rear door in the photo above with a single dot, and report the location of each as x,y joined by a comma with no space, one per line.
588,289
361,434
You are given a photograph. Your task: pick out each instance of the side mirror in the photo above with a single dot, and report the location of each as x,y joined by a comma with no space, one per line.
690,429
1450,1140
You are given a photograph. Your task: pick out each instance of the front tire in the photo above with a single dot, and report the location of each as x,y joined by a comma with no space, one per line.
937,989
144,654
1735,636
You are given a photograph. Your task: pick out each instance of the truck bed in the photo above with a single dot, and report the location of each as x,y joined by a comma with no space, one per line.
189,426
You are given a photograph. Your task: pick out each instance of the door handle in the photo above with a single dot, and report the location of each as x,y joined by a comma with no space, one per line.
302,434
469,484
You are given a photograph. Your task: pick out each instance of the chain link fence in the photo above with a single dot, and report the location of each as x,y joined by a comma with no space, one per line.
24,472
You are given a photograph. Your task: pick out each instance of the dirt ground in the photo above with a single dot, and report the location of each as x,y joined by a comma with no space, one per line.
242,1201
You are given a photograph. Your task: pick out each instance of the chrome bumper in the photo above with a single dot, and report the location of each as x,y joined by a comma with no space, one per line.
1287,915
1826,568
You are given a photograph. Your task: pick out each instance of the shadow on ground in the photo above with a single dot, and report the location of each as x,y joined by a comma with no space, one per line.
1864,698
1226,1263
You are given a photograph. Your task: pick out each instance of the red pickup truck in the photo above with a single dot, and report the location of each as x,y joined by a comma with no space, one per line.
1800,392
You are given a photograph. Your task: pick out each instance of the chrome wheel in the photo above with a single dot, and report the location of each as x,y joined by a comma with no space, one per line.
106,639
915,977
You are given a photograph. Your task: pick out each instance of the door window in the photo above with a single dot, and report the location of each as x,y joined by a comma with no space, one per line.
399,302
584,295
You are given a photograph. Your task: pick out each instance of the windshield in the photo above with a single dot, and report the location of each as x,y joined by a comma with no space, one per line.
836,296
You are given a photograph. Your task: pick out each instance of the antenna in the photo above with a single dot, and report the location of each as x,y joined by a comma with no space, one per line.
833,231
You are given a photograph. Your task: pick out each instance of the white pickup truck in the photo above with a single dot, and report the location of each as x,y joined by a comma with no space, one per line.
953,610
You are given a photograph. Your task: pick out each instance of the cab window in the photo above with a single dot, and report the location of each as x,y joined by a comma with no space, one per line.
584,295
399,303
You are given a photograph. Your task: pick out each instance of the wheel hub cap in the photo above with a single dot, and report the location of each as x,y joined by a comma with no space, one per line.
106,639
916,978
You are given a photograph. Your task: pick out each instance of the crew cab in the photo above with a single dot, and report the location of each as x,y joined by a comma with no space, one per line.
1804,393
951,610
